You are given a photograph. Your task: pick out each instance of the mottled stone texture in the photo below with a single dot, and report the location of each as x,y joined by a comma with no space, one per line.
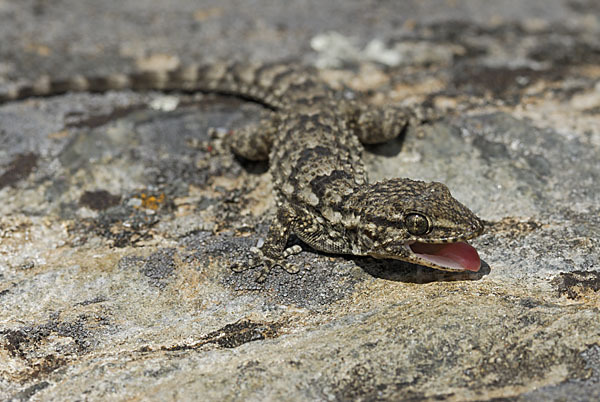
121,213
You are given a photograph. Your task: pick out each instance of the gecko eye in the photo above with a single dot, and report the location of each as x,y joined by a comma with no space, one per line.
416,224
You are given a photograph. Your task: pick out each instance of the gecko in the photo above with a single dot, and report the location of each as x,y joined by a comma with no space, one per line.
313,139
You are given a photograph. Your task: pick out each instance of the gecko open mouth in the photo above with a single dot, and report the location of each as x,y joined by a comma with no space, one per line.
458,256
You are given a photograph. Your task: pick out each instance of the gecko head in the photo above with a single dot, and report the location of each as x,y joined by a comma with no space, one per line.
420,223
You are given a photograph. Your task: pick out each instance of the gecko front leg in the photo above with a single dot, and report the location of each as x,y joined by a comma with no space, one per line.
273,252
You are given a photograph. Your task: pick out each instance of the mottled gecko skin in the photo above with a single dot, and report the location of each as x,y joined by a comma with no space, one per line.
312,138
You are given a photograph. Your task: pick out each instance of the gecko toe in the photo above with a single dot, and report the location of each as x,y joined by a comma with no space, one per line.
266,264
295,249
238,268
290,268
263,273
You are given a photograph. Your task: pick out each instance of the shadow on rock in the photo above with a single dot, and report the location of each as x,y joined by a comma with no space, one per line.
400,271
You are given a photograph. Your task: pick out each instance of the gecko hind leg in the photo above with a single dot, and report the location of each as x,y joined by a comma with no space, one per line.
376,125
253,142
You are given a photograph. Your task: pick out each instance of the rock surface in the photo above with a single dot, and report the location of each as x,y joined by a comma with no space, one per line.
119,219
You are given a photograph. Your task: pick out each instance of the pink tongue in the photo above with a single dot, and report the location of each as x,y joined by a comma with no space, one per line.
451,255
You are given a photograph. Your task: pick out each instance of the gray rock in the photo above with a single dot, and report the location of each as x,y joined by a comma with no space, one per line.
120,216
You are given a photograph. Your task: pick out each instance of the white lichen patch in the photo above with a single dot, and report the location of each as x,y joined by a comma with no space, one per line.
27,242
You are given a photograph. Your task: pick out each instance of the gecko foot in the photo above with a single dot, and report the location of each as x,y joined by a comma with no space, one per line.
259,259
